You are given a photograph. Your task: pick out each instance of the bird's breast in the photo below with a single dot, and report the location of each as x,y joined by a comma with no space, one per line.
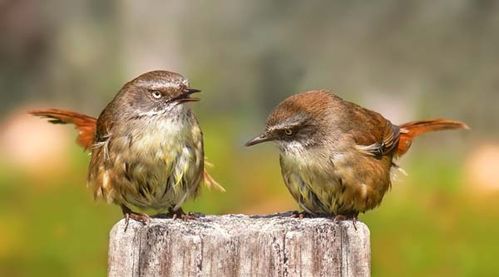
341,181
153,164
163,139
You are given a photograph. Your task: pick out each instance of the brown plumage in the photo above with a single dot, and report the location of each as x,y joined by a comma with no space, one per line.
336,156
146,145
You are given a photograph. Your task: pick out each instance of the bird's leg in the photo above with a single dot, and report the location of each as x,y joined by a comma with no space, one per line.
180,214
140,217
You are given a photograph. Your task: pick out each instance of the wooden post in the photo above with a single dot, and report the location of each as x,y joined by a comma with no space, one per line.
240,245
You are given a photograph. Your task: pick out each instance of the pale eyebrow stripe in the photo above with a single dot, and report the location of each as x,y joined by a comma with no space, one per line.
287,124
161,84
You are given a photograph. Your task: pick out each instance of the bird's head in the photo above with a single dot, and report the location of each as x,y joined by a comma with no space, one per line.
156,93
296,124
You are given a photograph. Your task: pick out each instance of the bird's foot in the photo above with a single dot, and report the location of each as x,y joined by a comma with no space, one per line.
350,216
300,215
129,214
180,214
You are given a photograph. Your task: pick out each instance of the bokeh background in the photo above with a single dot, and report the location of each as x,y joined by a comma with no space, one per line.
406,59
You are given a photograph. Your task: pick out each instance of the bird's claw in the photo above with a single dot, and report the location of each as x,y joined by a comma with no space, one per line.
129,214
341,217
300,215
180,214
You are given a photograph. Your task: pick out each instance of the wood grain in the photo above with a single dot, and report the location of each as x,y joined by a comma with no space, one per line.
240,245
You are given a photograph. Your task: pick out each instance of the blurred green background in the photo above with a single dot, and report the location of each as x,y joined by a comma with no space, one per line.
406,59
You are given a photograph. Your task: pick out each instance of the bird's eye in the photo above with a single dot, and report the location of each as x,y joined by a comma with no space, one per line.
156,94
288,132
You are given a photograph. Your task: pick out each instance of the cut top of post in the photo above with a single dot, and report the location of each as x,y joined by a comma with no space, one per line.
240,245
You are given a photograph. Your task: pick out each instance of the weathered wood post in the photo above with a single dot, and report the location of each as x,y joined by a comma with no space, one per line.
240,245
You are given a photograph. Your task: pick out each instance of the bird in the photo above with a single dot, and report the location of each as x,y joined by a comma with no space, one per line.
336,157
146,146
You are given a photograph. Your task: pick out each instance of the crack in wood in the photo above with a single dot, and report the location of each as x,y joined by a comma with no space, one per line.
239,245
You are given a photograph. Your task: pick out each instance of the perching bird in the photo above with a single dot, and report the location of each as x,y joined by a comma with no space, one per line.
336,156
146,146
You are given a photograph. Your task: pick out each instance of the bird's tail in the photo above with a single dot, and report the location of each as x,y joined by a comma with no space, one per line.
86,125
410,130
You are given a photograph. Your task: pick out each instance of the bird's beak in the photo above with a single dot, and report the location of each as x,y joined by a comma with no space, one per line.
191,90
185,96
261,138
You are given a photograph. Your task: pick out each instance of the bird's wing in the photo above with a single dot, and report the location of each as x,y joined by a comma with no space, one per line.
379,144
372,134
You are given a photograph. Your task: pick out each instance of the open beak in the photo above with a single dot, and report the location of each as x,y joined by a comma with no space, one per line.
186,95
191,90
261,138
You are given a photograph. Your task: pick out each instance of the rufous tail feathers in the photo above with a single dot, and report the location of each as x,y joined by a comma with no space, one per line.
85,124
410,130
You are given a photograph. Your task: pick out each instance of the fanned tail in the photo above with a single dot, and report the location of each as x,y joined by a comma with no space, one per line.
410,130
86,125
